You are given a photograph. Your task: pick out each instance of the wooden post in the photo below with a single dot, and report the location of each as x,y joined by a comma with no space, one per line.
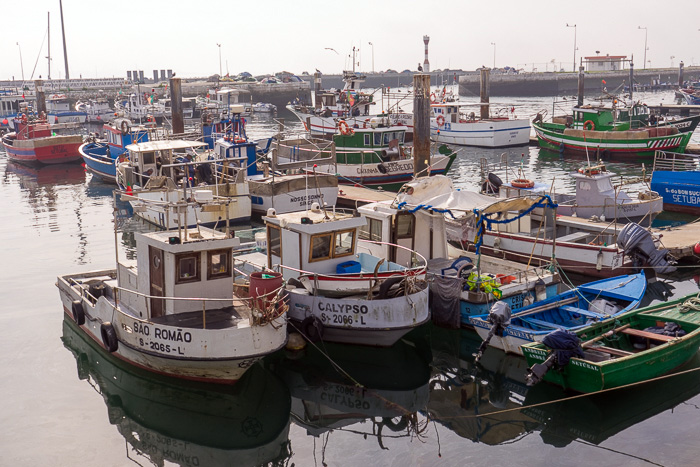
680,74
484,91
421,124
580,86
40,96
631,80
176,106
317,91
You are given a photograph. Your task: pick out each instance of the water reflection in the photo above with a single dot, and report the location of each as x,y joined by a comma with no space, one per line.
353,384
166,420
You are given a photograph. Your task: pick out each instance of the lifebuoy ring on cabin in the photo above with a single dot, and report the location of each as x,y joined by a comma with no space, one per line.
433,98
590,171
23,118
588,123
344,128
124,127
522,183
440,120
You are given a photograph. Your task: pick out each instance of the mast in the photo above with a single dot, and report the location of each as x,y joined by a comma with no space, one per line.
48,33
63,31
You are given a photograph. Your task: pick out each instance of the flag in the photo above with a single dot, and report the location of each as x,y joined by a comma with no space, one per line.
351,99
603,81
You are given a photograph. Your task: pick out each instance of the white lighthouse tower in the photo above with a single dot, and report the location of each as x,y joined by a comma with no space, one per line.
426,63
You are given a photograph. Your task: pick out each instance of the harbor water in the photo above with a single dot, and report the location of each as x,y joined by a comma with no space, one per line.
422,402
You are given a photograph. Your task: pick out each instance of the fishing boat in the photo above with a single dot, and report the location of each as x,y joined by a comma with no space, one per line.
13,102
35,141
97,110
574,309
164,420
140,108
454,123
173,310
676,177
593,139
691,96
60,110
336,291
635,347
371,154
462,284
164,174
264,107
595,196
101,156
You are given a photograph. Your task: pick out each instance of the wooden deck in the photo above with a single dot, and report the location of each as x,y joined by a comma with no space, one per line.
220,318
680,241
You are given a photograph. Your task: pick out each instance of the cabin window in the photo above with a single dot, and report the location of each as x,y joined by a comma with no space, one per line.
377,139
372,230
320,247
148,158
187,268
404,225
274,241
367,139
218,264
386,139
344,243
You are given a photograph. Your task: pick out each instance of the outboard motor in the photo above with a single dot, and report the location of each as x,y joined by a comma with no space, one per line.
499,317
638,243
564,344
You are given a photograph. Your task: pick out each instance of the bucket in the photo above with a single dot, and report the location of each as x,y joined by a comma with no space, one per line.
261,241
262,283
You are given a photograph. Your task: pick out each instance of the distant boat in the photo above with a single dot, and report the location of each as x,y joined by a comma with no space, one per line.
636,346
264,107
35,141
677,179
59,110
691,96
571,310
98,110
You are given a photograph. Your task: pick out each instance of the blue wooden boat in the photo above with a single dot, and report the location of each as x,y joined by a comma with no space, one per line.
676,177
102,156
691,96
574,309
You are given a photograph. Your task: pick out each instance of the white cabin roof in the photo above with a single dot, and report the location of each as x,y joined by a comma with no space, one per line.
317,221
164,145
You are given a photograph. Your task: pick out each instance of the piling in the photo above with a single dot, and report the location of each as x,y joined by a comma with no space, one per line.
317,91
176,106
580,86
631,80
484,91
421,124
40,96
680,74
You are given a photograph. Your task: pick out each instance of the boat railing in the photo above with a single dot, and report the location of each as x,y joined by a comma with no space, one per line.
675,162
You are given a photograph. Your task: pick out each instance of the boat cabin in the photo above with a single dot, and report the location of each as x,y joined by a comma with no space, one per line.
169,158
120,133
376,137
195,263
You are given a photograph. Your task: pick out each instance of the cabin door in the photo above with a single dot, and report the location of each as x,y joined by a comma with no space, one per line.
157,280
402,233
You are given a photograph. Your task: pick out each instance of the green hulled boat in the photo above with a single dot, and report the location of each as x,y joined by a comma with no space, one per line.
627,350
608,134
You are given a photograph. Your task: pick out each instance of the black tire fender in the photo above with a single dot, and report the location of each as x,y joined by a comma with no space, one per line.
312,328
387,284
78,312
109,336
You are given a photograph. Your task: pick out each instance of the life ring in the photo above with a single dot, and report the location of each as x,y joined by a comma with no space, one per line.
589,123
433,98
42,115
440,120
124,127
78,312
109,336
312,328
522,183
23,118
582,170
345,129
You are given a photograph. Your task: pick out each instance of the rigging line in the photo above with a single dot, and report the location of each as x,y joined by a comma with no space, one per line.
616,451
577,396
39,55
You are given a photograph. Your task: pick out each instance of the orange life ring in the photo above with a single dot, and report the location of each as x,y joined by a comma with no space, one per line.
587,123
433,98
344,128
582,170
440,120
23,118
522,183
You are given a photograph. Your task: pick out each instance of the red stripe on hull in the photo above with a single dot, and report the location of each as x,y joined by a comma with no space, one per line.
57,154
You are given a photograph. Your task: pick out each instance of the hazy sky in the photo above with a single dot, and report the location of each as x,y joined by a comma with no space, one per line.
105,39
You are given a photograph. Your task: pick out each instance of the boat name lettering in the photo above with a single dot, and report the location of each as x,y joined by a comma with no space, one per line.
141,329
584,364
303,199
350,402
675,191
683,199
521,334
173,335
168,448
342,308
58,149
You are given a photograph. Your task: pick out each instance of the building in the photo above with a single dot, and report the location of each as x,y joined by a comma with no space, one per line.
605,62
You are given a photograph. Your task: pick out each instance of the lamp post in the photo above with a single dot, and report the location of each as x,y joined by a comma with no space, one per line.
645,44
21,63
494,54
220,71
574,26
372,56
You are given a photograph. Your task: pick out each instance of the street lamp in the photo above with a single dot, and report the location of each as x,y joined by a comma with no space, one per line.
219,46
372,56
645,44
494,54
574,26
21,63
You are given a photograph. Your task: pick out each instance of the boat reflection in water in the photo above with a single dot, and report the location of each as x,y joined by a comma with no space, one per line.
186,423
470,399
35,176
598,417
392,386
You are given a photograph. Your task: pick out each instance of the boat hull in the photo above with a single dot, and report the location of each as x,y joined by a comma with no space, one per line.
491,133
680,190
99,162
48,150
378,322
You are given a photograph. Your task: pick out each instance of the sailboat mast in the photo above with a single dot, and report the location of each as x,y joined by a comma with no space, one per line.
48,33
63,31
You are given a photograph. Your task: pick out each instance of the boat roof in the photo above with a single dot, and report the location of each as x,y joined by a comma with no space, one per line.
164,145
315,221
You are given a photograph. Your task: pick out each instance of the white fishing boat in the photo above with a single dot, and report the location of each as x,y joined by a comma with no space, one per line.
173,310
161,175
139,108
456,123
337,292
98,110
59,110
